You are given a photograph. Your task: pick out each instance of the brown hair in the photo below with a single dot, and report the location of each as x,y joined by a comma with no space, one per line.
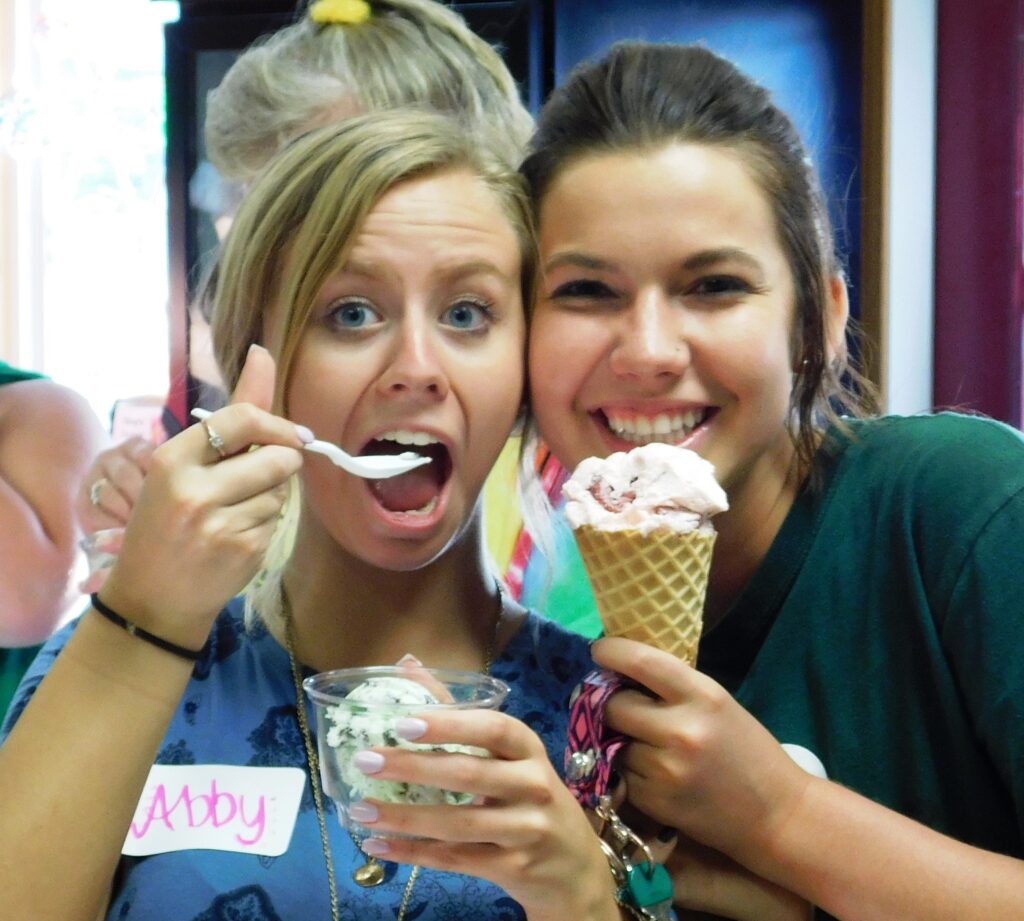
644,96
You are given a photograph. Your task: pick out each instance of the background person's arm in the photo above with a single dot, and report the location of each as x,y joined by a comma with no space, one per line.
48,437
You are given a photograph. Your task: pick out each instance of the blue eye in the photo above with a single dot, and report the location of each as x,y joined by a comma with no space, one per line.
468,315
353,315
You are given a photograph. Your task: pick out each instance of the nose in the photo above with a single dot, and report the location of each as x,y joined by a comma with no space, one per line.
415,369
652,343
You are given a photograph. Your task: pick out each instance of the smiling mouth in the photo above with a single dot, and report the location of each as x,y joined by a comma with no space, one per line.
669,427
416,492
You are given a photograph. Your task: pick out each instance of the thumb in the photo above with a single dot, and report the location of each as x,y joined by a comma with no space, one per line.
256,382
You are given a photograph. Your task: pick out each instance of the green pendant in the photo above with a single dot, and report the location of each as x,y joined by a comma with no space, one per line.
649,886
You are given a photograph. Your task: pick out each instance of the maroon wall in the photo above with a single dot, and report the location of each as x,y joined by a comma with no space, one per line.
978,208
978,278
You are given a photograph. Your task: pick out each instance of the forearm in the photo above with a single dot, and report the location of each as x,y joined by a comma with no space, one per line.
862,862
73,768
35,570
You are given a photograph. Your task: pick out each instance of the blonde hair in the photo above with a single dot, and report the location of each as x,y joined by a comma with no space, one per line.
408,52
295,228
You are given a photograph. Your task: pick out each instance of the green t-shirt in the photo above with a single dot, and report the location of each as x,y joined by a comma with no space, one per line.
885,628
13,662
12,375
13,665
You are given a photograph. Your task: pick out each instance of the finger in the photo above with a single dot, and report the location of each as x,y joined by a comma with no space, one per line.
637,715
94,582
661,672
414,670
256,381
238,426
254,473
95,516
476,775
141,450
503,736
122,467
476,858
254,512
453,824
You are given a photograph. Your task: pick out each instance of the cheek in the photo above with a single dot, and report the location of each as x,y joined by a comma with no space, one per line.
556,370
321,394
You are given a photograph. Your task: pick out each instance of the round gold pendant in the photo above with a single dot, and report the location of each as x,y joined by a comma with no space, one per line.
369,874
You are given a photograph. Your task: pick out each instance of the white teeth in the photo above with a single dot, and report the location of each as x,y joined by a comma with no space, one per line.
662,427
406,437
426,510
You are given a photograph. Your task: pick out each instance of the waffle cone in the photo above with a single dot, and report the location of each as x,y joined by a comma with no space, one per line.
650,587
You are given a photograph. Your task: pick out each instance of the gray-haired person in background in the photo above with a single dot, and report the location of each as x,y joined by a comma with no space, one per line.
342,58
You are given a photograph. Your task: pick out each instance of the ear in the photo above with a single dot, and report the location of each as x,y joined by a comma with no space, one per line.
837,312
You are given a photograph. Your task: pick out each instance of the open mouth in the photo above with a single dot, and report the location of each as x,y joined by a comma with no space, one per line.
667,427
416,492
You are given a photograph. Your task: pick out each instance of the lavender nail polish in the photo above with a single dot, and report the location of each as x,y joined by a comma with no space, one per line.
363,812
377,847
410,728
368,762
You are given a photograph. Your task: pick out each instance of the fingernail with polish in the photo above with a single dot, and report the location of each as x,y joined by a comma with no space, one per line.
376,847
363,812
409,659
305,435
368,762
409,728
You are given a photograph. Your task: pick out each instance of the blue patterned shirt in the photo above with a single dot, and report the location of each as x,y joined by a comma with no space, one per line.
239,709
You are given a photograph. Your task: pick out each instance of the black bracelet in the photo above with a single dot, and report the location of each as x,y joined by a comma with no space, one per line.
135,630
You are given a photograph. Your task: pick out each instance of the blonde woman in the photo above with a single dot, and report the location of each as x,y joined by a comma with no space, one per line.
339,59
370,290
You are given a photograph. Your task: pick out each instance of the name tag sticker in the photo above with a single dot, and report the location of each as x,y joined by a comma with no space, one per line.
219,807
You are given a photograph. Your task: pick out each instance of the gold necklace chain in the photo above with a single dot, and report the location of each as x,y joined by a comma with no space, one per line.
313,760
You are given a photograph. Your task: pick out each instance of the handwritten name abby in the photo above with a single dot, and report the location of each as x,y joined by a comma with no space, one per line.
194,810
220,807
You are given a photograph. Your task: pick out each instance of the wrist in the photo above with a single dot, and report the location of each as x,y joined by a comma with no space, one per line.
188,631
133,629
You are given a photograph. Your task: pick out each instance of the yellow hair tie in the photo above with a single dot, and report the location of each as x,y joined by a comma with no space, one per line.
340,12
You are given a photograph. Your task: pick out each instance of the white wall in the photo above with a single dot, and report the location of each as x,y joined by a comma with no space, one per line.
909,332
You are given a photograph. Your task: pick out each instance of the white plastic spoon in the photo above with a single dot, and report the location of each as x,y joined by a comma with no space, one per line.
367,466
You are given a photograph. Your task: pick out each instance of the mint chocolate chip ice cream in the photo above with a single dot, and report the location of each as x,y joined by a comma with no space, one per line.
366,719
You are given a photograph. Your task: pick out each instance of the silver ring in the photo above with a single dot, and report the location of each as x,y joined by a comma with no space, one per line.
216,442
96,489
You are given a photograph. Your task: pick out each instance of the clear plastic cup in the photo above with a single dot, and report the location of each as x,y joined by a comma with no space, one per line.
352,715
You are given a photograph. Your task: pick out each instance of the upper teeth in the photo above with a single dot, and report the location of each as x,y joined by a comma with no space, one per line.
404,437
662,427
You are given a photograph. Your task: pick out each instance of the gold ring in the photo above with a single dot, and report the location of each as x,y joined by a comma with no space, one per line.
96,489
216,442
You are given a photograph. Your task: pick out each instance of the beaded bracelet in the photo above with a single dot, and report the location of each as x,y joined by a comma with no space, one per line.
142,634
643,886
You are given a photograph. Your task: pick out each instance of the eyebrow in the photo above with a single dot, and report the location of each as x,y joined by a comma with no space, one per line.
452,270
712,257
695,263
580,260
